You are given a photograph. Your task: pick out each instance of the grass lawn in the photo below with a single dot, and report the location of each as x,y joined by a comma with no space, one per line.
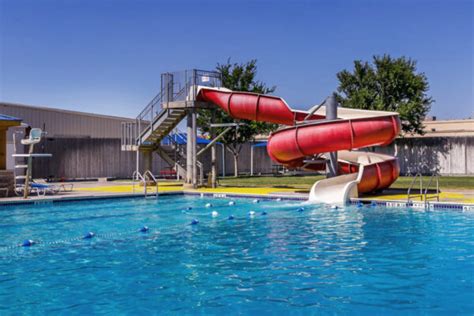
305,182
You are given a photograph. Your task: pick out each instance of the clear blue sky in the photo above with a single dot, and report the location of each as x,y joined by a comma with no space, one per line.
106,56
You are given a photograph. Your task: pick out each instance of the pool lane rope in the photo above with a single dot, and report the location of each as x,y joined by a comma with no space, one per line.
144,229
88,236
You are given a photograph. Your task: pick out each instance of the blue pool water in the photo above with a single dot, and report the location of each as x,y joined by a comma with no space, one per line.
317,260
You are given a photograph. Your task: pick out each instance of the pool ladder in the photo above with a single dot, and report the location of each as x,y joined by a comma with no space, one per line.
147,176
423,195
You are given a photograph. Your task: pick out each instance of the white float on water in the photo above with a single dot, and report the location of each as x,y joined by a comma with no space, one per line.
209,205
252,213
214,214
231,203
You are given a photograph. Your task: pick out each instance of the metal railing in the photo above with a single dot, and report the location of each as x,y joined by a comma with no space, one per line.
423,194
129,135
175,86
147,176
413,181
181,154
137,177
436,196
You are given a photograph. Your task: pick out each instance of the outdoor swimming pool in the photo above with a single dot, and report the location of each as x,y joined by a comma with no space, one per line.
289,261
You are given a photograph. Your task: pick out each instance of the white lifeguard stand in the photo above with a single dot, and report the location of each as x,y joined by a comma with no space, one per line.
33,138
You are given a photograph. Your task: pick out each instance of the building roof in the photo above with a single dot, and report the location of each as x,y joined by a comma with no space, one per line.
9,121
57,110
65,123
4,117
447,128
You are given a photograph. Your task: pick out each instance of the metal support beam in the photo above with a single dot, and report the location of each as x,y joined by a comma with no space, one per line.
313,110
194,148
251,159
223,160
147,160
189,149
213,156
213,141
331,114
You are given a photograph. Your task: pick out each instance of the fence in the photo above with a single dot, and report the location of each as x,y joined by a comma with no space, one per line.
93,158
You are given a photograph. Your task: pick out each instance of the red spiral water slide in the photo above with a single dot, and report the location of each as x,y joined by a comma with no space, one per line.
305,138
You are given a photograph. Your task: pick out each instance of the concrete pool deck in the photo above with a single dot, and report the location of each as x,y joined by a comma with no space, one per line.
86,190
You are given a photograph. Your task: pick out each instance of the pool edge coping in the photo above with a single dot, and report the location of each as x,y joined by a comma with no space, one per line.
430,205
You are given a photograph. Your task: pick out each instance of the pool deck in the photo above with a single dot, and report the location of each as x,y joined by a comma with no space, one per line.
95,190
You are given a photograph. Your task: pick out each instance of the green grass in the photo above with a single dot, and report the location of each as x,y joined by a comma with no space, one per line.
305,182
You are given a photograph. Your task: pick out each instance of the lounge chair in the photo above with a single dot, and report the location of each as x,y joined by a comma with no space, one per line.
65,187
41,188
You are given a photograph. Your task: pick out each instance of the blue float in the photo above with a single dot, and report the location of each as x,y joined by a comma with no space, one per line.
301,209
189,208
28,243
264,213
373,204
194,222
360,204
231,217
89,235
144,229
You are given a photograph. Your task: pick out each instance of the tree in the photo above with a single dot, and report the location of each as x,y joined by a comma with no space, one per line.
388,84
237,77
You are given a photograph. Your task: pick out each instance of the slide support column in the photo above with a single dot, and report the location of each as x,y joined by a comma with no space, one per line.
331,114
147,160
189,149
194,148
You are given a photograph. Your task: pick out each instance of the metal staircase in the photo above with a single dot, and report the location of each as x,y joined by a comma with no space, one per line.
162,115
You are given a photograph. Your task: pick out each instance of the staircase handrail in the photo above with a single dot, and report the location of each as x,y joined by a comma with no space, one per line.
157,98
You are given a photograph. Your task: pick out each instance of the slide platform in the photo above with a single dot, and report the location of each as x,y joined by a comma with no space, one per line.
315,136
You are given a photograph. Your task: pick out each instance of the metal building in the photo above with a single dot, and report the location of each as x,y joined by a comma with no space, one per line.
84,145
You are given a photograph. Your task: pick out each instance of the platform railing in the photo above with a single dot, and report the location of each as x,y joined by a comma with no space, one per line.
129,135
175,86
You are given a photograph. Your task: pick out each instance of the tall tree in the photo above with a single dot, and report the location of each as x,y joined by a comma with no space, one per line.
237,77
388,84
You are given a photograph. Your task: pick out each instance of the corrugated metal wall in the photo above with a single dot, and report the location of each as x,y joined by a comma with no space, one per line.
76,158
62,123
88,145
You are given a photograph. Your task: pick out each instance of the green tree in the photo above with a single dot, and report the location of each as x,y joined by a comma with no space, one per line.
237,77
388,84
